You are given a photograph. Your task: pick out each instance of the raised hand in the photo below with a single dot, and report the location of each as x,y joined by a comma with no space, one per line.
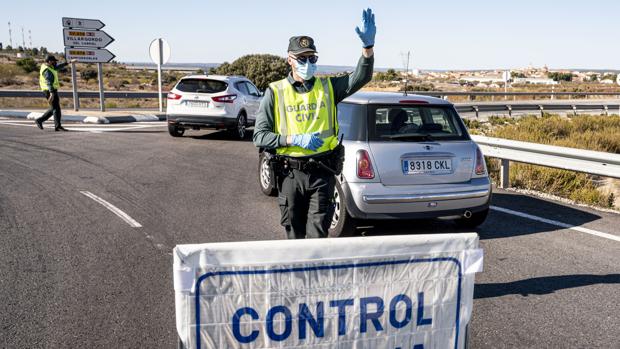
368,31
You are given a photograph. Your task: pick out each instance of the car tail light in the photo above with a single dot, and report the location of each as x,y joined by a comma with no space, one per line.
224,99
364,166
480,170
172,95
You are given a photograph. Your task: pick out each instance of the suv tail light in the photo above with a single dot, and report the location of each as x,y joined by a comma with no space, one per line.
480,170
224,99
172,95
364,166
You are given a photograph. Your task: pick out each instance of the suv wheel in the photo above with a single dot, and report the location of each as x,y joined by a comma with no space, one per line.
266,177
342,224
475,220
175,131
239,131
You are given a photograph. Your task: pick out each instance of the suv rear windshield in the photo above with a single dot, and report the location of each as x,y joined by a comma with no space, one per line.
414,123
201,86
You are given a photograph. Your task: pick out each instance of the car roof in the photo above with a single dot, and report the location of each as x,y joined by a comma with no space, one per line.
215,77
367,97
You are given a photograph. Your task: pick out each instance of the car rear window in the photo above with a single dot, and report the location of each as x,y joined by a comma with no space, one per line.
415,123
201,86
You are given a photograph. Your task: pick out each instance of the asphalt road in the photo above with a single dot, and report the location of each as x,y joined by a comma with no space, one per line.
74,274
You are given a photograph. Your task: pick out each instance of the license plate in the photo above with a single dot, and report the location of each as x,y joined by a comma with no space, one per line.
427,166
198,104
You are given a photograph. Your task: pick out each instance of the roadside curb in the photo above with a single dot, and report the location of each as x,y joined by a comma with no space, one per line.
87,119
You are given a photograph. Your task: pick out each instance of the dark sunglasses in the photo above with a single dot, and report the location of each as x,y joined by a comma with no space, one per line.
303,59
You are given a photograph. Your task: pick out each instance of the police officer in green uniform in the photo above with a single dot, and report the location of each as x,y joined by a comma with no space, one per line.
297,120
49,83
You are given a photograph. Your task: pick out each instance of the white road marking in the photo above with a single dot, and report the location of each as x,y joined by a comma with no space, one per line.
557,223
124,216
97,128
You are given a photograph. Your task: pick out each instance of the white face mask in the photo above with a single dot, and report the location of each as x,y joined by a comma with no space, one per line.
305,71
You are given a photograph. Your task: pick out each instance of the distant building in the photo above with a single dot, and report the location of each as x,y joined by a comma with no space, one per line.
535,81
485,79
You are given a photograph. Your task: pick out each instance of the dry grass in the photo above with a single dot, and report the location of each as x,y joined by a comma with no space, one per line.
592,132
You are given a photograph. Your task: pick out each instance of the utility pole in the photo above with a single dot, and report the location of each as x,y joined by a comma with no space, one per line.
10,36
23,39
30,37
406,66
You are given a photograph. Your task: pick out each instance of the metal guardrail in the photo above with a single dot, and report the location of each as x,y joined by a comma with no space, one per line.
510,94
586,161
541,108
83,94
441,94
460,107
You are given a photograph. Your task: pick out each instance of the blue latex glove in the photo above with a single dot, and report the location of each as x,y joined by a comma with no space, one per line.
367,35
309,141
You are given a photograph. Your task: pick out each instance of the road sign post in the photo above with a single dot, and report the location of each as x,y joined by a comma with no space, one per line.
85,42
101,94
76,98
159,50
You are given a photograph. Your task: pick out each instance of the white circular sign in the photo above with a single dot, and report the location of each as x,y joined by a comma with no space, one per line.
506,75
159,50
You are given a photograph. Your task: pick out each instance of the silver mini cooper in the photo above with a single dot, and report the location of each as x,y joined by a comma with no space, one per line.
407,156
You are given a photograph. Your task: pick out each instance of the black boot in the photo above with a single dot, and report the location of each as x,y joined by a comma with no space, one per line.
60,128
39,123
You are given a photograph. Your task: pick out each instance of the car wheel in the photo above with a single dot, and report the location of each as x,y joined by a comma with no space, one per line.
342,223
240,129
266,177
475,220
176,131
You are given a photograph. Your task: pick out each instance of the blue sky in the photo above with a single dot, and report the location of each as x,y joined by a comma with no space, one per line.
454,34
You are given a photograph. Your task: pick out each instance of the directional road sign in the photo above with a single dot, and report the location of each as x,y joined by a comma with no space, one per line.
89,55
82,23
86,38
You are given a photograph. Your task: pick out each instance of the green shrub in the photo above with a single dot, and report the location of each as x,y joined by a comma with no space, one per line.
262,69
88,74
28,65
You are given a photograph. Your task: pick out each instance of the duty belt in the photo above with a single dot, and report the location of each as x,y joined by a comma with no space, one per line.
309,164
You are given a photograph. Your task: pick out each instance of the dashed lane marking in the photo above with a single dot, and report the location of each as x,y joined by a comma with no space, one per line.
90,128
117,211
557,223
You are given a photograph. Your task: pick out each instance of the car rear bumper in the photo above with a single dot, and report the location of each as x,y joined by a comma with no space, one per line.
202,120
376,201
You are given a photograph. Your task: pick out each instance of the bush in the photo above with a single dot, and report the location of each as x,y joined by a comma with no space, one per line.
262,69
559,76
88,74
592,132
389,75
28,65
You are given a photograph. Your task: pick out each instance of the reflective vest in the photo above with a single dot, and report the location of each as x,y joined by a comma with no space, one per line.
299,113
43,82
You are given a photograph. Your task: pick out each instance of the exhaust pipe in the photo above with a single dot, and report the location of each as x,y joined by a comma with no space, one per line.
467,214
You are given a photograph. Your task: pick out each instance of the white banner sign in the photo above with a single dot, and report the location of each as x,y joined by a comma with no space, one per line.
394,292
